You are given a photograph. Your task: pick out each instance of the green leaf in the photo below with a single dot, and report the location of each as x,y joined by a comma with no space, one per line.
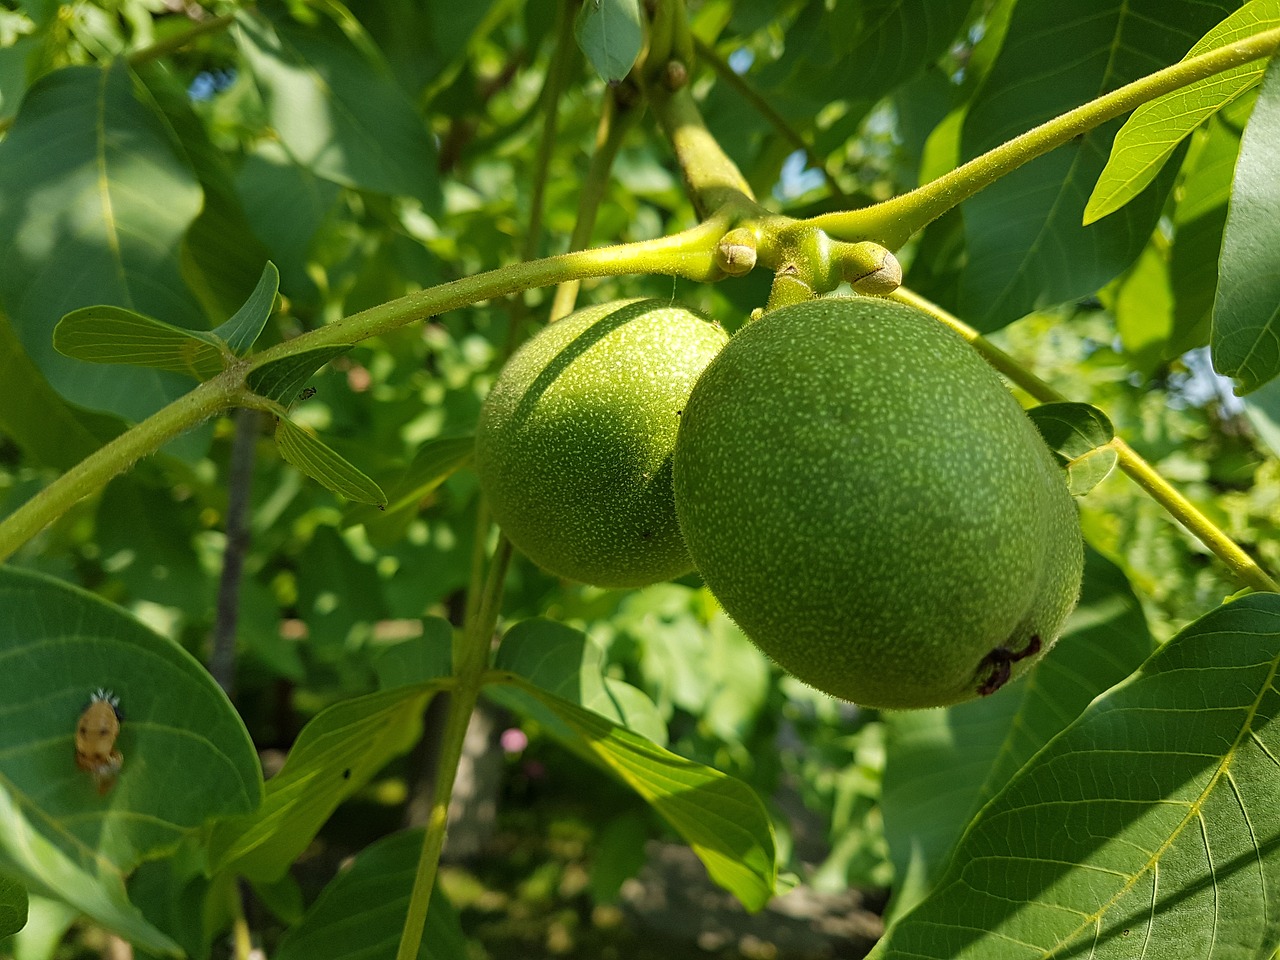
1263,409
93,208
419,659
334,756
944,765
1150,135
565,662
721,818
1080,434
282,380
312,456
1149,827
47,924
242,330
435,461
106,334
362,910
1027,246
1246,311
187,757
610,34
336,107
13,906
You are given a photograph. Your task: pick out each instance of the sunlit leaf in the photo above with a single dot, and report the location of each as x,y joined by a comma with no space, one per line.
1246,311
610,34
1080,434
1150,135
282,380
312,456
720,818
334,756
187,757
243,328
106,334
1149,827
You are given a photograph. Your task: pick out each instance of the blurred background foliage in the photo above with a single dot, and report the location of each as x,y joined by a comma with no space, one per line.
326,588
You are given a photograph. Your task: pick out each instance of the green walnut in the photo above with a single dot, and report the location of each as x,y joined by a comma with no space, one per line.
574,443
869,503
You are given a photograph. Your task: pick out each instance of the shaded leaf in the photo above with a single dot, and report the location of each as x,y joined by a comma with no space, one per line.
1027,246
1149,827
282,380
1080,434
186,755
336,107
106,334
312,456
721,818
13,906
418,659
338,751
1263,409
610,34
1246,311
242,330
1150,135
565,662
47,924
435,461
93,208
362,910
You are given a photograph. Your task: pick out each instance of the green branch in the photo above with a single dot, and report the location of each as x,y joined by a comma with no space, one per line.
1129,460
892,222
176,42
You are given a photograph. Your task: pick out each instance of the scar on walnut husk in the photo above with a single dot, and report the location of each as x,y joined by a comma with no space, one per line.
1000,660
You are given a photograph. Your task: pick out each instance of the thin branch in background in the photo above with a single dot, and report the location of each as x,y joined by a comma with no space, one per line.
766,110
222,654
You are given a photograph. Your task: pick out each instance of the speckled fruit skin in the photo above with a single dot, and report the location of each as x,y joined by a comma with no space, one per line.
870,504
574,443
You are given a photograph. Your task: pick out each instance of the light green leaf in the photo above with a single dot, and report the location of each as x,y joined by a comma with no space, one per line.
362,910
1027,247
337,108
106,334
282,380
312,456
720,818
93,208
1081,435
610,34
334,756
1246,311
565,662
433,464
13,906
417,660
1149,827
242,330
1150,135
943,765
186,755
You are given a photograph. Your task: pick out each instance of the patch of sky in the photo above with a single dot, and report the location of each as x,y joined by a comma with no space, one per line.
208,83
796,177
741,59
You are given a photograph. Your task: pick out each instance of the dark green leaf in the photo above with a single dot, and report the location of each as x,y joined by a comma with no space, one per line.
187,758
106,334
943,765
244,327
1246,312
13,906
720,818
362,910
1081,435
419,659
1151,133
93,208
1149,827
1027,246
435,461
282,380
312,456
610,34
336,107
334,756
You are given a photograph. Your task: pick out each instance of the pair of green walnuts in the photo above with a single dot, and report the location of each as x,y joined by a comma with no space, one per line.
854,483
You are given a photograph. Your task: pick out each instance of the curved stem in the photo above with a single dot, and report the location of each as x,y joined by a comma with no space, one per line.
1129,460
557,76
94,471
892,222
712,180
